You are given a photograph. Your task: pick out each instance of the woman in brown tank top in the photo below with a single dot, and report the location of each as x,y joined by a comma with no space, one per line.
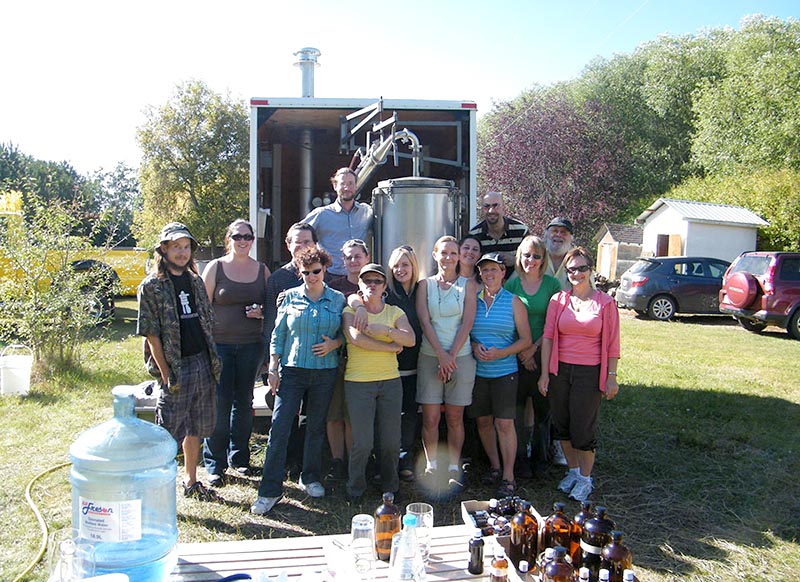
236,284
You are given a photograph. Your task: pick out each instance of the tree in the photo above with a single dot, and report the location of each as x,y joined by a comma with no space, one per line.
117,198
194,164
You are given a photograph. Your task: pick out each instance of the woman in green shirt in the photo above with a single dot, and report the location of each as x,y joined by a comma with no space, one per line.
535,289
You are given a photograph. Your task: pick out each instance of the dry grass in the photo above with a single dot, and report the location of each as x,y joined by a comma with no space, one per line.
697,463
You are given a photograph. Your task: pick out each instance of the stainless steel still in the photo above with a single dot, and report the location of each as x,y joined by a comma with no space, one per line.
415,211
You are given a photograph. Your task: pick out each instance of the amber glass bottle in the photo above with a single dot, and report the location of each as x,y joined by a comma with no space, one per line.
557,528
387,523
615,557
596,534
559,570
499,571
586,512
524,535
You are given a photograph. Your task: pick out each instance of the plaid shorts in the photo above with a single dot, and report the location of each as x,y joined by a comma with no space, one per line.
192,409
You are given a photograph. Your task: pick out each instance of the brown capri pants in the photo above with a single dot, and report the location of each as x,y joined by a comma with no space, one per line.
575,396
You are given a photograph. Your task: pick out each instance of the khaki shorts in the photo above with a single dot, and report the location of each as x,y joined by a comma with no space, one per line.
457,392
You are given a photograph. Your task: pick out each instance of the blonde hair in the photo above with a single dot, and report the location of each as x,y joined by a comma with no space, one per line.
442,240
538,245
397,254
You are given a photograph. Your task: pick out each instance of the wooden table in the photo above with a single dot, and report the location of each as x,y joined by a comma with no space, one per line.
207,562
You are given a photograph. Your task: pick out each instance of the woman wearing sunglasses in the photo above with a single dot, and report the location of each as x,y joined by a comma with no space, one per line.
580,352
302,366
373,389
236,284
534,288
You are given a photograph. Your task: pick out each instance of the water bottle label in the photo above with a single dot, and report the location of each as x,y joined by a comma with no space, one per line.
110,521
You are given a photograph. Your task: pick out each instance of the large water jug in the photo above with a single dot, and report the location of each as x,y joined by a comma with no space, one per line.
123,493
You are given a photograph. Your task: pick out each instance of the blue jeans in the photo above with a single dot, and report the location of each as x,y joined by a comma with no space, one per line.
230,442
297,384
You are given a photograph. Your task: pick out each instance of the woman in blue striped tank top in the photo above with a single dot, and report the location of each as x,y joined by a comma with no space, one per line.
500,331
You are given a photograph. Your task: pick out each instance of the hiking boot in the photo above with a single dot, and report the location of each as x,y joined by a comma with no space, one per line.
568,482
264,505
314,489
582,489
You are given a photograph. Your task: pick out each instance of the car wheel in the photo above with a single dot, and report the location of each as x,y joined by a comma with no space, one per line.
794,325
662,308
750,325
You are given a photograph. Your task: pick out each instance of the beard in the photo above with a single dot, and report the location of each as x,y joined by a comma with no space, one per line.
557,248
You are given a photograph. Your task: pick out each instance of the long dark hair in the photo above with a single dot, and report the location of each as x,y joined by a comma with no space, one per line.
161,264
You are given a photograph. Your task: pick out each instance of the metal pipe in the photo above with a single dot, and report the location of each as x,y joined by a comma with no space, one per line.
306,167
378,152
307,61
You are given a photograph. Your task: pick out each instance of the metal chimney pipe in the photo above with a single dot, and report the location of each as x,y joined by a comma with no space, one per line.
307,61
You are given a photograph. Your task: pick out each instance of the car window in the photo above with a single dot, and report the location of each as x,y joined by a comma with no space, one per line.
755,264
642,265
716,269
790,269
689,269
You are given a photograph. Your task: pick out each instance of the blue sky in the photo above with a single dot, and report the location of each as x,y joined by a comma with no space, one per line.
78,75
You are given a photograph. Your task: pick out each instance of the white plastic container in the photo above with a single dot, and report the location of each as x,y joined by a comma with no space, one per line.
15,370
123,493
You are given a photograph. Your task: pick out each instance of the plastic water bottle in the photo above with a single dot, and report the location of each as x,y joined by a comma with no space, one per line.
406,562
123,493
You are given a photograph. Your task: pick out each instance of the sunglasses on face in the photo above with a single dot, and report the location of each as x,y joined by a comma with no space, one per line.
533,256
579,269
314,272
375,282
238,237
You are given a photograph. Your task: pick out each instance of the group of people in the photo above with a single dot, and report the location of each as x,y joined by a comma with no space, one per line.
509,331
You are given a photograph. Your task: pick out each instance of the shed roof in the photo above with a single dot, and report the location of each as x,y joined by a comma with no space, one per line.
624,233
705,212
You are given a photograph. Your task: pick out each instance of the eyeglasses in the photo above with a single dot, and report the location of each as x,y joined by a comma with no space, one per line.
533,256
375,282
492,205
238,237
314,272
579,269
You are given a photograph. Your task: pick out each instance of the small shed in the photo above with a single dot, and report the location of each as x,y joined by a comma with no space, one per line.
683,227
618,247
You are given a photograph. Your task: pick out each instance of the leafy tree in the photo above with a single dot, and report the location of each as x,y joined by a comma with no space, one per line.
750,118
195,164
117,198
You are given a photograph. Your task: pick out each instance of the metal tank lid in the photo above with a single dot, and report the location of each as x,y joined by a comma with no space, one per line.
124,442
416,182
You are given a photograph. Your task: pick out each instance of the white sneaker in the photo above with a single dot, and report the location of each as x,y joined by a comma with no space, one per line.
263,505
568,482
582,490
558,454
314,489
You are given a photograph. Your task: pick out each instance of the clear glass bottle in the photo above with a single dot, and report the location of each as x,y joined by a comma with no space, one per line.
387,523
475,566
559,570
406,562
616,557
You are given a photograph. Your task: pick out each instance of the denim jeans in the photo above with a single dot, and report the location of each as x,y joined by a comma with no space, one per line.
229,445
297,384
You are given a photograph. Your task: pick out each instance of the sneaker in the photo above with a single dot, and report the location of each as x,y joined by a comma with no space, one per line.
456,481
243,471
336,471
215,480
558,457
582,490
199,491
264,505
568,482
314,489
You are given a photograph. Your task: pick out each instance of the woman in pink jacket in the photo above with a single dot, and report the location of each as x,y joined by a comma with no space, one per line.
580,352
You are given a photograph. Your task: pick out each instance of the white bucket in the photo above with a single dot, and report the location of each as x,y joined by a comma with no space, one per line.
15,370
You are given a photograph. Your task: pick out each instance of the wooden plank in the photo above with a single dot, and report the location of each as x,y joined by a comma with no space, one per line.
207,562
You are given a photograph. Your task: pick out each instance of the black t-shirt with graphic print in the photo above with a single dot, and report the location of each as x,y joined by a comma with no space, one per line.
192,340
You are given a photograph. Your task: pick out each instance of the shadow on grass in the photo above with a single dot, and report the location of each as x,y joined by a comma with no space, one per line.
679,469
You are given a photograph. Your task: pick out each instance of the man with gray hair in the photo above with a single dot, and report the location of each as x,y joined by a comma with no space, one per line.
558,240
497,232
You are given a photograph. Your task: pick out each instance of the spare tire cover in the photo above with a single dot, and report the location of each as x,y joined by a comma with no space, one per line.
741,289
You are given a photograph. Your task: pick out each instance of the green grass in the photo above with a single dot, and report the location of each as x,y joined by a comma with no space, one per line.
698,457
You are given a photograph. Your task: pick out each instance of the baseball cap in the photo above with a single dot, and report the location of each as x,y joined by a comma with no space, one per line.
493,257
372,268
174,231
561,221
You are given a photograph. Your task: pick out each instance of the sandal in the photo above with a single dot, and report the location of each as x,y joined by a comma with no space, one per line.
506,489
199,491
492,477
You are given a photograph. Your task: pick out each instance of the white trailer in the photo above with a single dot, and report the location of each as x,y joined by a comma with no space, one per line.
296,144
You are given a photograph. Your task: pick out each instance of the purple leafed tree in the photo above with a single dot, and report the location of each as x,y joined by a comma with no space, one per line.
550,157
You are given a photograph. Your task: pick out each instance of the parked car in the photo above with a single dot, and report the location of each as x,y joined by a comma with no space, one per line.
660,287
763,288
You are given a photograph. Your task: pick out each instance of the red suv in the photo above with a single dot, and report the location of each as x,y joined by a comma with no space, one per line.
763,288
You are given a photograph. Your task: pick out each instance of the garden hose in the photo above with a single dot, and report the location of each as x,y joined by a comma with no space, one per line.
39,519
